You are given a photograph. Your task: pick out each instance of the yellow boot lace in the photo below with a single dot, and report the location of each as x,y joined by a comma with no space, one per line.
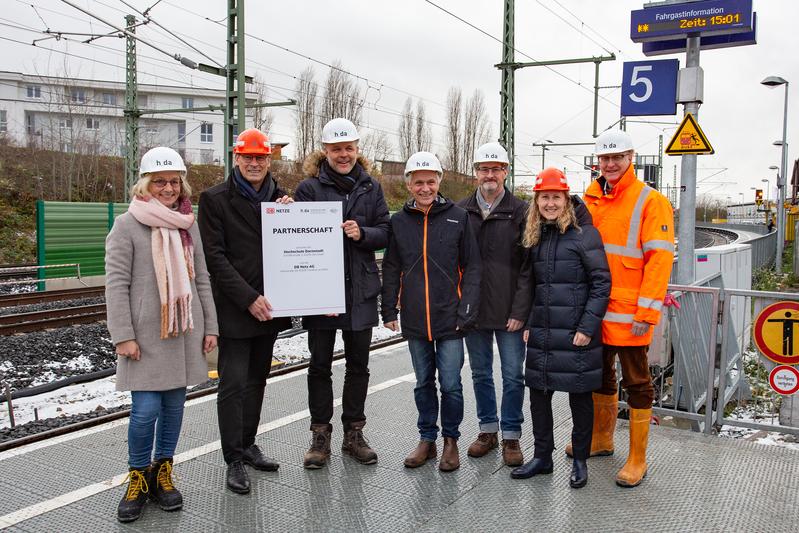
165,476
138,483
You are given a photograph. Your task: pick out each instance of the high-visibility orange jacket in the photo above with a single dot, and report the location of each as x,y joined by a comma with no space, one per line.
636,223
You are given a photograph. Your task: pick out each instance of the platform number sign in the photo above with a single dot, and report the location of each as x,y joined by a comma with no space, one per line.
649,87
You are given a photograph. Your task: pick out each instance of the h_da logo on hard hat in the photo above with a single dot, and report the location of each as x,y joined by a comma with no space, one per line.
166,162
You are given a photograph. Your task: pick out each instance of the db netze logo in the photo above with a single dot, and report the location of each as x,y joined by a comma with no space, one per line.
270,210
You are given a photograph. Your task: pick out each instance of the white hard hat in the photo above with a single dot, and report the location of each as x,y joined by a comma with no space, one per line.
613,142
339,130
491,152
423,161
159,159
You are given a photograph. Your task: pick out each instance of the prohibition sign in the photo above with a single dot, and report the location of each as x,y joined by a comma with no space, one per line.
777,332
784,380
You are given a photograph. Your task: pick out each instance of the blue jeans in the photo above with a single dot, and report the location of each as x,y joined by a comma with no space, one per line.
446,356
480,344
154,413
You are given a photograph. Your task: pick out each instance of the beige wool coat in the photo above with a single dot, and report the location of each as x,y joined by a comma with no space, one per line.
134,312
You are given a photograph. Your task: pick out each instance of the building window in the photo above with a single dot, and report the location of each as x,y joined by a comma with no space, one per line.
30,123
66,147
187,102
142,100
206,156
151,128
65,124
181,132
206,133
3,121
77,95
92,123
34,91
109,99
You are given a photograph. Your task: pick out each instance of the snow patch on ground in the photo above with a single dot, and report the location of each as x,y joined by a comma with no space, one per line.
87,397
769,438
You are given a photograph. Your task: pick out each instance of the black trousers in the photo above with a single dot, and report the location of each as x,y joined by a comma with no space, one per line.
582,407
244,365
320,375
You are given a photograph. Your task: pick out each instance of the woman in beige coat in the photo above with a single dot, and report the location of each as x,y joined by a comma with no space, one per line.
162,319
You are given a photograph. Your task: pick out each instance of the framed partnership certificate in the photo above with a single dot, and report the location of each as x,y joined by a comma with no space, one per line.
303,250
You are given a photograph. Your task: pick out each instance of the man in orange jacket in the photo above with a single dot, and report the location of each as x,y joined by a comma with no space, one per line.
636,223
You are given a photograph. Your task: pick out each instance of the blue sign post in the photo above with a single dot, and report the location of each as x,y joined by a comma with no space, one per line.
649,87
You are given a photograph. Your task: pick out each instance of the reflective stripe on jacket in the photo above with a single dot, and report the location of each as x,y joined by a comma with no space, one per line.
637,227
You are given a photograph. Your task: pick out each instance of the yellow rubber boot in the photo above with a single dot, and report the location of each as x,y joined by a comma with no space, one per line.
606,409
634,470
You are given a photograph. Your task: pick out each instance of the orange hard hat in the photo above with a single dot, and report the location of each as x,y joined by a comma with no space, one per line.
551,179
252,141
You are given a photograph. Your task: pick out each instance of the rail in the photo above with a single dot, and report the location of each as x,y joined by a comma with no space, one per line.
34,269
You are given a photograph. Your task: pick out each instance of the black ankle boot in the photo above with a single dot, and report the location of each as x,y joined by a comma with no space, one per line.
132,504
579,475
539,465
162,490
237,479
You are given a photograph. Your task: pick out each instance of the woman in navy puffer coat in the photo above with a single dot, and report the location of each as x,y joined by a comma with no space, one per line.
571,286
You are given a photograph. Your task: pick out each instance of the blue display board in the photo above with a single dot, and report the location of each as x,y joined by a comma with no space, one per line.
706,42
710,17
649,87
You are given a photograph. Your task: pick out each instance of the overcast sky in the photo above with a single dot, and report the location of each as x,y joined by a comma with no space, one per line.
413,47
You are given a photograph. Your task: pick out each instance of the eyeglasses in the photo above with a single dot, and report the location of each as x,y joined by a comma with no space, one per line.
160,184
490,170
250,158
615,158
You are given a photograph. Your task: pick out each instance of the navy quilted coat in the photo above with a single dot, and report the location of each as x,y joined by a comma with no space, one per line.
571,286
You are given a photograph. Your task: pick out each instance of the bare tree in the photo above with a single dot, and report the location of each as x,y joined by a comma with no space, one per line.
305,95
376,145
454,139
476,130
406,130
262,117
423,138
342,97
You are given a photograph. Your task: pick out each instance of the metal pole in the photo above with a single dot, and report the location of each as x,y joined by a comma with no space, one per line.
781,183
241,82
685,255
506,136
131,108
596,93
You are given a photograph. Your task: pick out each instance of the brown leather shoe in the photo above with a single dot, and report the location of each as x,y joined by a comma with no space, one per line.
512,452
355,445
484,443
319,452
424,451
450,458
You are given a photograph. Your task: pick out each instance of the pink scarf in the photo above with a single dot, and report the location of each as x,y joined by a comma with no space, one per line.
173,259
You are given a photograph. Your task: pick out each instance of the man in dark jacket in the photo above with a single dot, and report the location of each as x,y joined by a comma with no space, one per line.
339,173
230,226
498,217
431,275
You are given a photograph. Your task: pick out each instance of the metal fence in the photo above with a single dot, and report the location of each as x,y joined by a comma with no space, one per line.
764,250
706,369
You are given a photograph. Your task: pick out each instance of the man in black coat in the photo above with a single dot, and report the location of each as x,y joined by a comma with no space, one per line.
230,226
339,173
431,277
505,295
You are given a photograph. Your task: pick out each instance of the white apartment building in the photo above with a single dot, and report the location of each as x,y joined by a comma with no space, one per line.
86,116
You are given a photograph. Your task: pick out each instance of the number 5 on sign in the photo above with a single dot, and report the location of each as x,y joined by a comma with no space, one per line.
649,88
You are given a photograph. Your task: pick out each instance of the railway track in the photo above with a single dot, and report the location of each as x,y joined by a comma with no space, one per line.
25,298
84,424
51,318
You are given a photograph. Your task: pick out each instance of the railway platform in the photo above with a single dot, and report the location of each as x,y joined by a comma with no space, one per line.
695,482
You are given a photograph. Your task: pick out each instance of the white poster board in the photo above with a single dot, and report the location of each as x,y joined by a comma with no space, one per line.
303,252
